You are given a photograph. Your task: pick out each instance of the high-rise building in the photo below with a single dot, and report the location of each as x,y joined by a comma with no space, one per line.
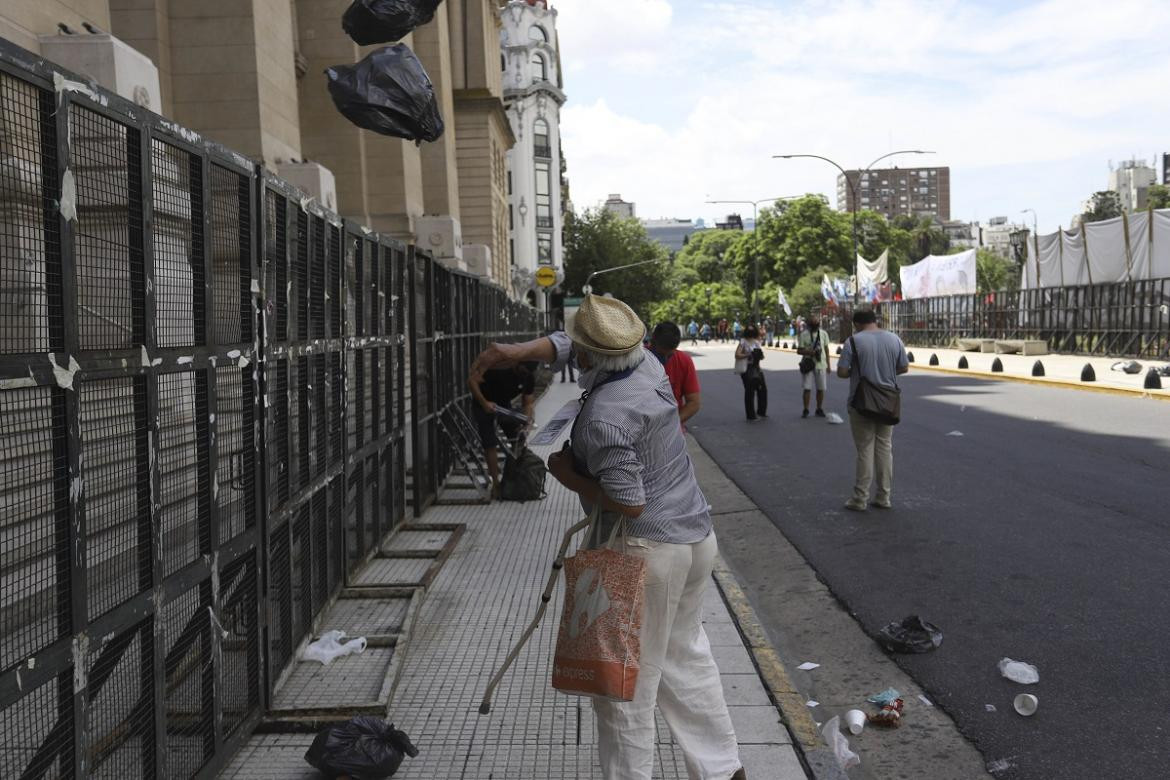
615,205
919,192
1131,180
533,93
249,75
670,233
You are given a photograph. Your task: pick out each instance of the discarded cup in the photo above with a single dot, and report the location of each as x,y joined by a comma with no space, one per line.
855,720
1026,704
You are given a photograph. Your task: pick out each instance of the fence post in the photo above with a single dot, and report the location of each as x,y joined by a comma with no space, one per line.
1085,241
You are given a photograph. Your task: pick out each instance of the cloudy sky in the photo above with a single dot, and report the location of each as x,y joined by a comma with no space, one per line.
672,102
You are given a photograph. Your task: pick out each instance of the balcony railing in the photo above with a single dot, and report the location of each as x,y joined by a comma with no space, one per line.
544,222
543,151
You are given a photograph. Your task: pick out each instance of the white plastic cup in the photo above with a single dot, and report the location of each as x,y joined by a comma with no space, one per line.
855,720
1026,704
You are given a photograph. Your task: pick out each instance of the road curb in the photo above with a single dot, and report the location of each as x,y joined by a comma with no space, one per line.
1131,392
819,760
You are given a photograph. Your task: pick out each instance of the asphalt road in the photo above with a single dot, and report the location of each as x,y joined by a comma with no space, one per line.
1041,534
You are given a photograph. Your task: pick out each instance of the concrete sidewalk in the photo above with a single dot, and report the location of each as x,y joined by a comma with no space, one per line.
473,612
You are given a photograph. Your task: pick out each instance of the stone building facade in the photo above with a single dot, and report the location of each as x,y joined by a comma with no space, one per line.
534,94
249,74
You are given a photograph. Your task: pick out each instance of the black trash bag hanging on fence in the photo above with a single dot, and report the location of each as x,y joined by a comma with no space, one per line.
365,748
389,92
912,635
385,21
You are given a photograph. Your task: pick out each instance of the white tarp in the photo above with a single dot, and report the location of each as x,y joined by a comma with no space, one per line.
1105,248
1064,258
1160,246
873,273
938,275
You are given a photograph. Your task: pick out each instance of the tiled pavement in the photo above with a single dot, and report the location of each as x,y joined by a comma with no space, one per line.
475,609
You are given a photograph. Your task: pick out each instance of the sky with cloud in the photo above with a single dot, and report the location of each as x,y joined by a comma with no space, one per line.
674,102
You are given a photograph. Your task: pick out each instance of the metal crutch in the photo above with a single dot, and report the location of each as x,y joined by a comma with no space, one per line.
485,706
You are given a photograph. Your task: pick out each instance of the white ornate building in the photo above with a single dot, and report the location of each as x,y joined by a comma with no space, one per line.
533,94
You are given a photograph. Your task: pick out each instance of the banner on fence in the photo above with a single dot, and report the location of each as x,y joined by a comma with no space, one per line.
1128,248
937,275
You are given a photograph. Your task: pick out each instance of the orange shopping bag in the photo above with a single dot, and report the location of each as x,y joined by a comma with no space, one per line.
598,644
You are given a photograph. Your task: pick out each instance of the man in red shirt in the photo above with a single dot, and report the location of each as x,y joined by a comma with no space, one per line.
680,369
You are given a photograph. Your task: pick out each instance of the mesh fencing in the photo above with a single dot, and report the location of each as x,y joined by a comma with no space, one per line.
204,427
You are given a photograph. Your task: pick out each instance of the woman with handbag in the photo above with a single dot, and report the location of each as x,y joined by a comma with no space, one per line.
748,354
628,459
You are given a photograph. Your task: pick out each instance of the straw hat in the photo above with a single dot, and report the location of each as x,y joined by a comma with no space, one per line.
606,326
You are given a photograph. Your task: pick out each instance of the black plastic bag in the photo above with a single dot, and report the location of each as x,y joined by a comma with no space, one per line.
912,635
385,21
365,748
389,92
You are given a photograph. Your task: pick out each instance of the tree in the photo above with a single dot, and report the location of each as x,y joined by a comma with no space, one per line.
806,297
597,239
994,272
691,303
703,259
1158,196
1105,204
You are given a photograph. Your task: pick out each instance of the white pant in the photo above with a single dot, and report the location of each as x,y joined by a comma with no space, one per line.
814,379
676,671
875,443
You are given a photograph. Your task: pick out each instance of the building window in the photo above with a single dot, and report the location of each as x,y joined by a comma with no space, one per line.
544,218
539,68
538,34
544,245
542,148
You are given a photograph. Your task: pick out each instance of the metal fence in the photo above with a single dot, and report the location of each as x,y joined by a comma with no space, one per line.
1124,319
166,308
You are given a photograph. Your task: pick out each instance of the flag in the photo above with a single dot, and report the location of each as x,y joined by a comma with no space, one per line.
784,304
827,289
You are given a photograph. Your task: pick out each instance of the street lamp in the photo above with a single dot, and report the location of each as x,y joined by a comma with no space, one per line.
855,201
755,204
587,288
708,306
1033,212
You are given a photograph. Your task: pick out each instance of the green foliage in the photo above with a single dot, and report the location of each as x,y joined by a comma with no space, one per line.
994,272
596,240
1105,204
691,303
1158,197
703,259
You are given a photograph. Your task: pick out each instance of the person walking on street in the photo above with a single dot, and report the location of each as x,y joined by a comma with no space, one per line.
721,329
693,332
814,365
706,332
570,367
628,456
748,355
879,356
736,330
679,367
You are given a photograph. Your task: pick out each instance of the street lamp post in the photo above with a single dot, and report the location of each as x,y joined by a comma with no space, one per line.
755,204
708,306
587,288
854,202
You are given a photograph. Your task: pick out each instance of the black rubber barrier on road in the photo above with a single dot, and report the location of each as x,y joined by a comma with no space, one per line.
997,366
910,356
1088,374
934,360
1037,369
963,362
1153,380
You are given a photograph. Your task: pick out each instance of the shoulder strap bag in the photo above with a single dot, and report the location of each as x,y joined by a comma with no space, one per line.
880,404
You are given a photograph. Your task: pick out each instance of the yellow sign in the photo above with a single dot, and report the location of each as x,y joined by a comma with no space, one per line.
546,277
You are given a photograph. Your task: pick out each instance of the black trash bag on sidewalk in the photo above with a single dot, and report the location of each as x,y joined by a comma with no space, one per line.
389,92
365,748
912,635
385,21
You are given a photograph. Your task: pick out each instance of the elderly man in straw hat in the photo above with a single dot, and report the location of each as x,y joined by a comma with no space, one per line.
628,454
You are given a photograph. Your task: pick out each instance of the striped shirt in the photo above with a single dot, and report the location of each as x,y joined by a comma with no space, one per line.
628,437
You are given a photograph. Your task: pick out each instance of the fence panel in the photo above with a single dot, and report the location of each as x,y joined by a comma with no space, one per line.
1124,319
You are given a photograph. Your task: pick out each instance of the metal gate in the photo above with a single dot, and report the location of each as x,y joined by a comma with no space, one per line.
130,641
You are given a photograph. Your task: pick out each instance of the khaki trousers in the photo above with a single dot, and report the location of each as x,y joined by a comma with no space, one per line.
875,446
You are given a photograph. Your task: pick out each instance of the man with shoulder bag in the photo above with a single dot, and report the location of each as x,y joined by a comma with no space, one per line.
871,360
814,365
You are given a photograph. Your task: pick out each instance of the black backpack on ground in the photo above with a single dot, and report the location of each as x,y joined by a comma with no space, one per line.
524,477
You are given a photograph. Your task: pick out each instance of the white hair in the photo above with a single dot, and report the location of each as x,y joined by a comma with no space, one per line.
608,364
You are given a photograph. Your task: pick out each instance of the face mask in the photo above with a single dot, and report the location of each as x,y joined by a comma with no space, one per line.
585,379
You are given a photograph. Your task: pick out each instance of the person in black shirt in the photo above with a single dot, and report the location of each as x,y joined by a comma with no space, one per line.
500,387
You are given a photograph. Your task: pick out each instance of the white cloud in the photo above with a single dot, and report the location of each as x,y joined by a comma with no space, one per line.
1034,85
